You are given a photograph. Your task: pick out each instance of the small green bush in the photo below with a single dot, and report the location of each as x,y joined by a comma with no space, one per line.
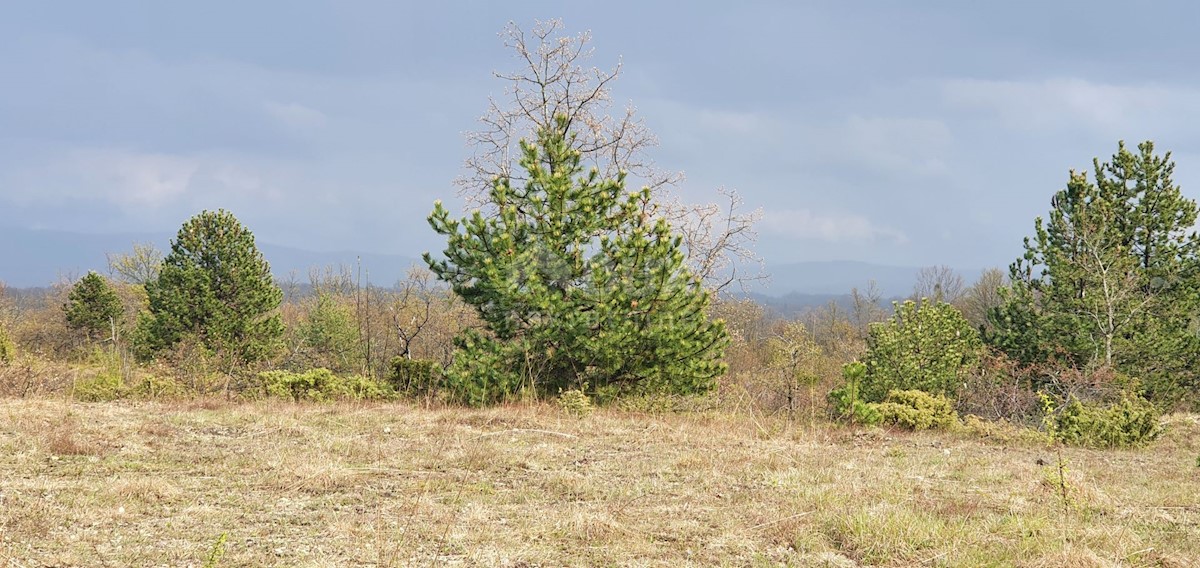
916,410
154,386
847,402
414,376
321,385
1001,430
1130,422
576,402
8,350
102,387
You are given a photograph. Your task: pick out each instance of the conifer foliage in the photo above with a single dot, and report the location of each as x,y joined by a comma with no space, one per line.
579,284
1110,278
93,307
216,286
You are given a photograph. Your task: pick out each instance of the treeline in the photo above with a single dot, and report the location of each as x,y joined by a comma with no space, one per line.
1090,336
567,283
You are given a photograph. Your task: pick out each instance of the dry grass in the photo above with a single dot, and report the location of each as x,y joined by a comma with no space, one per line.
393,485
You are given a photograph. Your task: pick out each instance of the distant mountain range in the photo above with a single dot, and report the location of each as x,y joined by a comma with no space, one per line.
32,258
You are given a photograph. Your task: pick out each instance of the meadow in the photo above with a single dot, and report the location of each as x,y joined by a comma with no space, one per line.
268,483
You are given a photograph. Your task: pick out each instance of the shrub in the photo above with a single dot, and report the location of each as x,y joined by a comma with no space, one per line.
1130,422
575,402
414,376
8,350
999,389
103,386
846,400
917,410
926,346
321,385
154,386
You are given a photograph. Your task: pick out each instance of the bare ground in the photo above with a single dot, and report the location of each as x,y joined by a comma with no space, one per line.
272,484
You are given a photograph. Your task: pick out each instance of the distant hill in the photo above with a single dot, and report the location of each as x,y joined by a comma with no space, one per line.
31,258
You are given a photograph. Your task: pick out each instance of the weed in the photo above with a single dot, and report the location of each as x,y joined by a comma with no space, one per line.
217,552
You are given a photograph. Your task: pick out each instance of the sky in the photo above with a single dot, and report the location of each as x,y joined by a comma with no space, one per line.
900,133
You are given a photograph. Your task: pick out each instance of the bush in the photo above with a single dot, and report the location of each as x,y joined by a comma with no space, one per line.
8,350
846,401
414,376
575,402
1001,430
321,385
102,387
1130,422
153,387
917,410
999,388
926,346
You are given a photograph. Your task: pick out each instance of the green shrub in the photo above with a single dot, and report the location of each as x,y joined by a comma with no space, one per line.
103,386
1001,430
925,346
847,402
8,350
321,385
1130,422
414,376
154,386
575,402
917,410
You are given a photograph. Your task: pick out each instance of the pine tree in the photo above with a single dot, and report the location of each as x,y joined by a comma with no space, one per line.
1110,278
926,346
93,307
215,285
579,284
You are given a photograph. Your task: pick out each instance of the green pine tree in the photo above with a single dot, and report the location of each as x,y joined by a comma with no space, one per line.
93,307
1110,278
926,346
579,285
215,285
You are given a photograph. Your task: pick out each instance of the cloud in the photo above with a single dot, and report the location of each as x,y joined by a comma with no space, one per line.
1057,103
131,179
804,224
145,182
893,145
296,115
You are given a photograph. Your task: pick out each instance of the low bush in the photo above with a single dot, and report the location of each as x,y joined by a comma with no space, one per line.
1129,422
1001,430
999,388
916,410
8,350
847,402
575,402
322,385
154,386
101,387
414,376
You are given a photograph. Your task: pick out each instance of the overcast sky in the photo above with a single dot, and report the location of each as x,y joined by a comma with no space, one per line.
906,133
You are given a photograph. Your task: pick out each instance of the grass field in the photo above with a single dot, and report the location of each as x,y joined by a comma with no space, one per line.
273,484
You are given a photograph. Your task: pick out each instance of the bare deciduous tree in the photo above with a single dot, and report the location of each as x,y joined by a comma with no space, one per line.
552,79
939,283
982,297
139,266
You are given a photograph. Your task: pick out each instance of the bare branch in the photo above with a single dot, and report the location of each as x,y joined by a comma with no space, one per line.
553,77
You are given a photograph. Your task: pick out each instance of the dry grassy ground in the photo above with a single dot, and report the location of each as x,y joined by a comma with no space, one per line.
153,484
